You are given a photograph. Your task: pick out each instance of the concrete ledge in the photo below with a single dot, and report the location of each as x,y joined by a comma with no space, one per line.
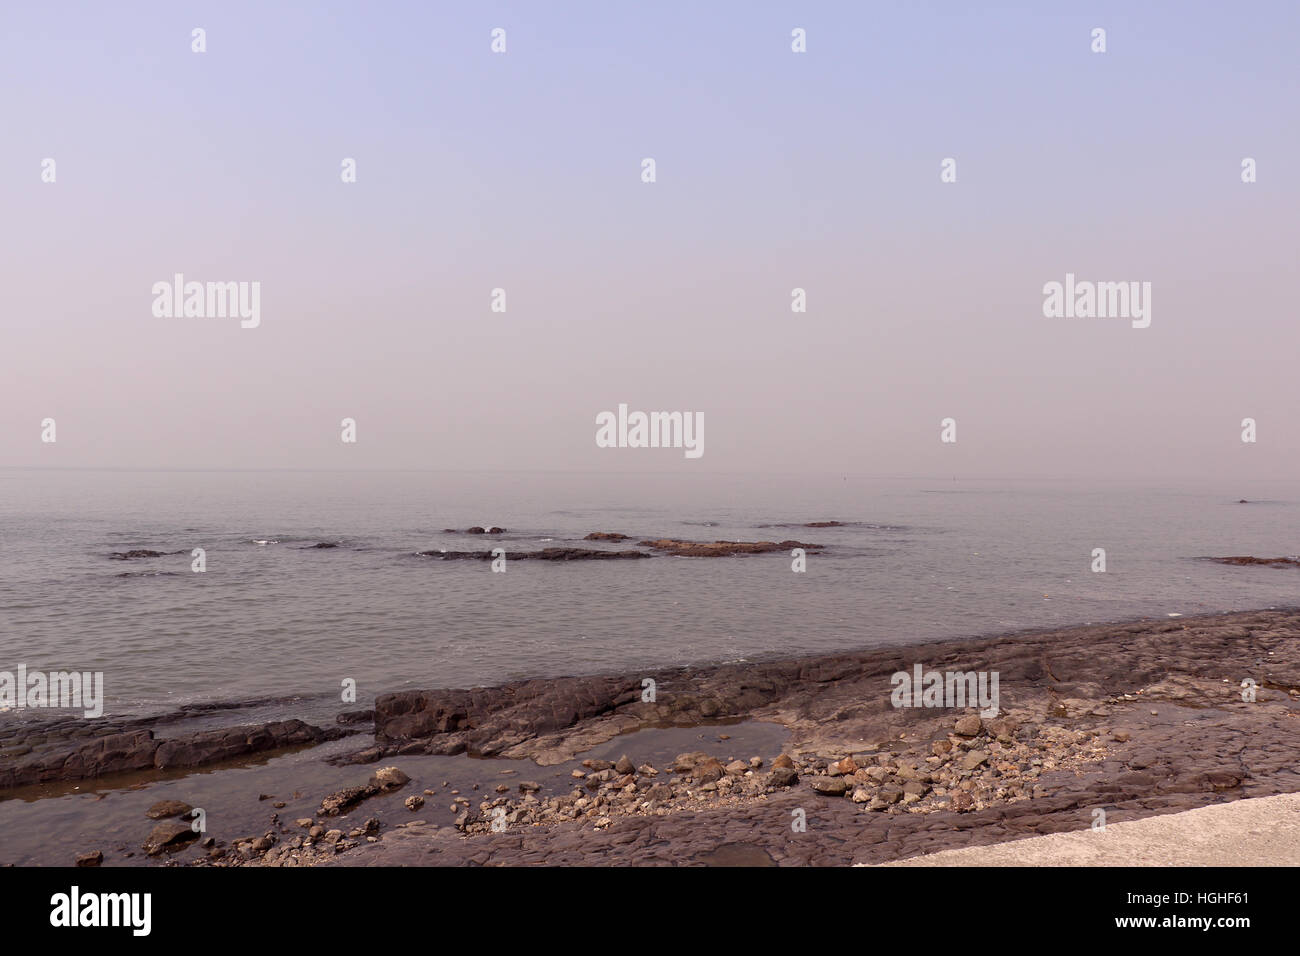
1264,831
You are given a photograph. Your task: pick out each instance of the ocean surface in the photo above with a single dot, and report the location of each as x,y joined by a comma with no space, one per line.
274,617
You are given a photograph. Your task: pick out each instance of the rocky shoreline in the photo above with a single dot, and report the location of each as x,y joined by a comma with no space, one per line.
1127,720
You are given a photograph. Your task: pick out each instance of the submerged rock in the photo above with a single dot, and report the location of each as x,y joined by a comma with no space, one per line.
1242,559
169,836
717,549
168,808
546,554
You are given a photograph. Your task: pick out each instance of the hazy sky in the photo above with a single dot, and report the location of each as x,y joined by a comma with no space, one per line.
775,170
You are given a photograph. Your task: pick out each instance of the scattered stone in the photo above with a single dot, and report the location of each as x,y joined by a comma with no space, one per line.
782,777
830,786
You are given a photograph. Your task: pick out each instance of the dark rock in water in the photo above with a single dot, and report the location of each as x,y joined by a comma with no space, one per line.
140,553
168,837
824,524
168,808
1242,559
356,717
322,545
344,800
495,530
119,746
476,530
716,549
605,536
546,554
1242,501
93,858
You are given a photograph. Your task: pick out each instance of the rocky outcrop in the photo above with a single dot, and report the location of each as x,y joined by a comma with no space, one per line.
1246,560
826,699
85,749
717,549
545,554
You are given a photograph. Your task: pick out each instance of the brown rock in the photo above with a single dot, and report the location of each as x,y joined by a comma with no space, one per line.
167,808
168,836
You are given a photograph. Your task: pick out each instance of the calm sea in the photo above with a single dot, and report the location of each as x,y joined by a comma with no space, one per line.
273,617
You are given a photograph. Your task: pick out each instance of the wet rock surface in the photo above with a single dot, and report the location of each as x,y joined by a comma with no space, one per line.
1133,719
73,748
